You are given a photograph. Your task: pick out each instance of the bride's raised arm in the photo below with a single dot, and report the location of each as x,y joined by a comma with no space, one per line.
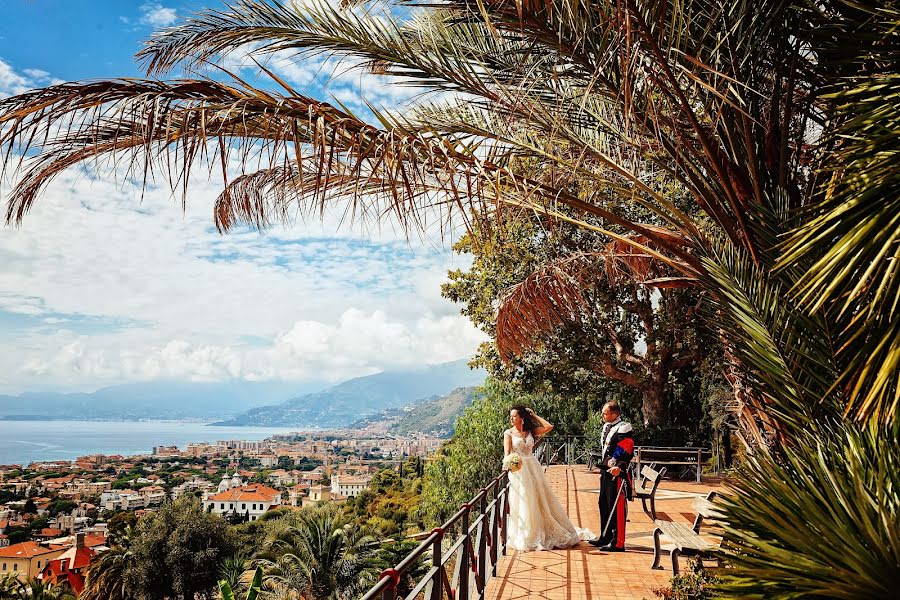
545,428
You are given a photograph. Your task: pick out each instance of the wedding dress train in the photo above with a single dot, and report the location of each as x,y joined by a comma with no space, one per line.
537,519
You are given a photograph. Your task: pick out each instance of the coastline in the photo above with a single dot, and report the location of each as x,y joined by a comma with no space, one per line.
26,441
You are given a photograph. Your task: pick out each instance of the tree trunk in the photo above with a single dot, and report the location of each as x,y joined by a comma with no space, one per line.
653,407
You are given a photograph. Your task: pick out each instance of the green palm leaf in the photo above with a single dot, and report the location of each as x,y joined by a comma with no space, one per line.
819,522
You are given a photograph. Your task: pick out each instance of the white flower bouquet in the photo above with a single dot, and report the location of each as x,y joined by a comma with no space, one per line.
512,462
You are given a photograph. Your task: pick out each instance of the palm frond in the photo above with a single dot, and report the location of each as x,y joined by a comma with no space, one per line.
556,294
820,522
786,355
851,234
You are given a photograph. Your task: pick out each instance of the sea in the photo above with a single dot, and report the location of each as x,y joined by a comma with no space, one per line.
23,442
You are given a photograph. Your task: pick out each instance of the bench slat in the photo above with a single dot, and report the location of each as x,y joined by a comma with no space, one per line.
683,536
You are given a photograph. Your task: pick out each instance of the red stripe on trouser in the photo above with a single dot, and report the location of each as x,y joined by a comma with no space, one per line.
620,522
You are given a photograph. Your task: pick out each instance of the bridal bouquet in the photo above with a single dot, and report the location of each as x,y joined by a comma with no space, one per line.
513,462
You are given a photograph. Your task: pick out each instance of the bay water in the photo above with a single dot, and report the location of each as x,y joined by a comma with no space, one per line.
22,442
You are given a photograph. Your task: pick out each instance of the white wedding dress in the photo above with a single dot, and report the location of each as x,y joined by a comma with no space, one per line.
537,519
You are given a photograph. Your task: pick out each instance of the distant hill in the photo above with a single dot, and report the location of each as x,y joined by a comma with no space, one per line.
436,416
170,400
347,402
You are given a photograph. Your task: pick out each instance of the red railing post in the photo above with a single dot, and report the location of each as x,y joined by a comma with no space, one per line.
482,542
504,511
464,558
495,515
437,592
490,530
391,592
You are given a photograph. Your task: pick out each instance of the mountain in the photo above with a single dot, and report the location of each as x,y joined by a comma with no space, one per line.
361,397
170,400
436,416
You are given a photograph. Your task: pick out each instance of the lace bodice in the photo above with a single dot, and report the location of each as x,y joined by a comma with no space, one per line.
522,446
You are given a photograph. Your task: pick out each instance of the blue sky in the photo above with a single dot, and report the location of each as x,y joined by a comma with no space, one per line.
97,289
74,39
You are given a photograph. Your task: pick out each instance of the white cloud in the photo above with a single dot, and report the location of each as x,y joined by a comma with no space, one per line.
358,342
155,14
11,82
36,73
146,291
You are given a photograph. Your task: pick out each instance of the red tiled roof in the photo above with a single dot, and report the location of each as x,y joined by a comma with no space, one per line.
247,493
94,539
26,550
50,532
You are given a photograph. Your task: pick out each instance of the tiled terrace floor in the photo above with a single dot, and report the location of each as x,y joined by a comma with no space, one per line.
584,572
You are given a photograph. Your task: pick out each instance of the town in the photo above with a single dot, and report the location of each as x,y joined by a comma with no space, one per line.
55,517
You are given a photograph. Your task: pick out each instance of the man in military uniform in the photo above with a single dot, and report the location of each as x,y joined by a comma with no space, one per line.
615,481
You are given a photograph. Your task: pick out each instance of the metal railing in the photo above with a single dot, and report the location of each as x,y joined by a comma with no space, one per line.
564,450
476,539
471,542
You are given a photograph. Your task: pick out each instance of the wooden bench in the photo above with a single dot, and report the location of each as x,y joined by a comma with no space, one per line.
686,538
592,458
652,477
689,458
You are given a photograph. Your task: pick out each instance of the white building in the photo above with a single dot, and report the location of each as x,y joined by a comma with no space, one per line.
195,484
123,500
347,485
253,500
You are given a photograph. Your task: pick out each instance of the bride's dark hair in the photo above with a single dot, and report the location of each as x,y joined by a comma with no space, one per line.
529,423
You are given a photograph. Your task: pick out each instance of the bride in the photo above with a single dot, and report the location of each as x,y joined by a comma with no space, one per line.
537,520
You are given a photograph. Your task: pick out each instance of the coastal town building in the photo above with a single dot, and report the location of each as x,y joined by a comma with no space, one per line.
69,567
192,486
349,485
251,501
317,493
26,559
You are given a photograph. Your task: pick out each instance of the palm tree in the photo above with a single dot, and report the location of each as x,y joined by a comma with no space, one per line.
778,121
231,571
322,555
226,589
9,586
35,589
107,575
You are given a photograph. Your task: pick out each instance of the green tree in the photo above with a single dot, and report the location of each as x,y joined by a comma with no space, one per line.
121,523
637,335
391,504
35,589
17,535
231,571
226,589
177,551
9,586
62,506
390,555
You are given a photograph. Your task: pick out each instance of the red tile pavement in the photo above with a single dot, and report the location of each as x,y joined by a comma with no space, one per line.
584,572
